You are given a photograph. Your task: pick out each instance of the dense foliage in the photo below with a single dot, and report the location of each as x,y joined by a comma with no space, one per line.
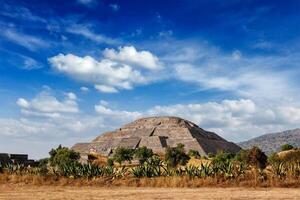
63,156
143,153
193,153
122,154
175,156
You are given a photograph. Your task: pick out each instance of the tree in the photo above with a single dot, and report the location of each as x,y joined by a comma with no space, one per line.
143,153
286,147
222,157
122,154
256,157
194,153
175,156
63,156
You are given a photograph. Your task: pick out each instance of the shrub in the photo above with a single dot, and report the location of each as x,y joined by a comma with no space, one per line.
63,156
194,154
142,154
274,159
122,154
110,162
222,157
43,166
257,158
175,156
286,147
210,155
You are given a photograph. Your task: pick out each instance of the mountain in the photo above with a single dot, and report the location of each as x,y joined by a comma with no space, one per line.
157,133
272,142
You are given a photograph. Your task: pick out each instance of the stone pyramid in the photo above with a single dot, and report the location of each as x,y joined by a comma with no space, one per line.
158,133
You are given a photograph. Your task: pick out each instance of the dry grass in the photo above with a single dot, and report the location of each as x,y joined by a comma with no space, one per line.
174,181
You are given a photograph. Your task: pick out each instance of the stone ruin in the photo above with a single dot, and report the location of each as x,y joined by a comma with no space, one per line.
157,133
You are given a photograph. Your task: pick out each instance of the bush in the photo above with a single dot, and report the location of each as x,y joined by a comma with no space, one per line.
110,162
257,158
194,154
286,147
175,156
142,154
274,159
43,166
222,157
122,154
63,156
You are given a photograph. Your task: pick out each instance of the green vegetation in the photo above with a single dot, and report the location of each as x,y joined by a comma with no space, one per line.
194,154
143,154
175,156
63,156
286,147
122,154
253,157
223,166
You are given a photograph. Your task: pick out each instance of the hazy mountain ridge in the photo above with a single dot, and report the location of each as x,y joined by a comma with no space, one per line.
272,142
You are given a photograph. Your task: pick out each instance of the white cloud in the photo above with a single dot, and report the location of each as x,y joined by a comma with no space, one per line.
129,55
44,104
248,77
116,115
85,31
84,89
22,103
30,42
111,73
71,96
106,89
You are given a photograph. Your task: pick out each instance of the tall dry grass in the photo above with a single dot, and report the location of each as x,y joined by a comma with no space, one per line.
250,180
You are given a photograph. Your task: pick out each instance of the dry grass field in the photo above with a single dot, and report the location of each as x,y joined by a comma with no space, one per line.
30,192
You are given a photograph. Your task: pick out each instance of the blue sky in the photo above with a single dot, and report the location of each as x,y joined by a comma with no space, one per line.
70,70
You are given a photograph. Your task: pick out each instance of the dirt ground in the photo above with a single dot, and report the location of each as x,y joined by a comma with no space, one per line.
65,192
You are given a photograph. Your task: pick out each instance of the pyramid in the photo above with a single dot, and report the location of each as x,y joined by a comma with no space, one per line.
158,133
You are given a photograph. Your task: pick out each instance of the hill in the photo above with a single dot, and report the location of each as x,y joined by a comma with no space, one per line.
272,142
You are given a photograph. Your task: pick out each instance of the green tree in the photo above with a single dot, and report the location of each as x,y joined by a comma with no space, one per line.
222,157
175,156
142,154
122,154
63,156
286,147
193,153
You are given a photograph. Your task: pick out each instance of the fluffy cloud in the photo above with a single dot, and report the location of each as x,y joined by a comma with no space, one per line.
44,104
130,55
110,73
